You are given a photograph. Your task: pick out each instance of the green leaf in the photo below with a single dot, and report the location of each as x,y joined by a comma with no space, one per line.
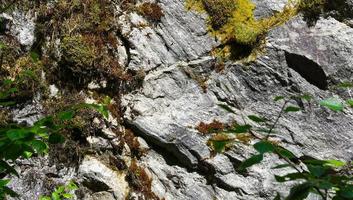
10,192
278,98
299,192
332,104
323,184
17,134
27,154
226,108
55,196
219,146
255,159
292,109
56,138
39,146
285,152
316,170
4,182
67,115
350,102
256,118
60,189
9,169
335,163
13,151
68,196
72,186
345,85
347,192
242,129
264,147
306,97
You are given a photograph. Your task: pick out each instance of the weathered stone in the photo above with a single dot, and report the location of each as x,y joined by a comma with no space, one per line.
98,177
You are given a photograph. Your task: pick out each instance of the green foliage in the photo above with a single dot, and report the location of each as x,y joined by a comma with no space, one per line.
330,179
333,104
234,24
62,192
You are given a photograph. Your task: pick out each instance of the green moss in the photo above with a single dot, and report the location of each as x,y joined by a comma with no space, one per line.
78,52
234,24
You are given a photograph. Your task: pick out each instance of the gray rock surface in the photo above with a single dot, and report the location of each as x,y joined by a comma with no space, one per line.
181,89
99,177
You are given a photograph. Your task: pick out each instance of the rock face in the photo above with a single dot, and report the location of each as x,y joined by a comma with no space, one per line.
298,59
181,89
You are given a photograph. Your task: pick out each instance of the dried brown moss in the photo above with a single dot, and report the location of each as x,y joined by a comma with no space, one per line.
151,11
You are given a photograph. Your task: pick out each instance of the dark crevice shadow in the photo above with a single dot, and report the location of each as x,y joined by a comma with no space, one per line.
308,69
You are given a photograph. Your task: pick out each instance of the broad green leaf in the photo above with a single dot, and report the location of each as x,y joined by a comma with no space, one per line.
219,146
278,98
316,170
39,146
285,152
9,169
264,147
347,192
56,138
332,104
242,129
10,192
55,196
226,108
27,154
291,109
13,151
255,159
299,192
17,134
322,184
4,182
335,163
60,189
256,119
72,186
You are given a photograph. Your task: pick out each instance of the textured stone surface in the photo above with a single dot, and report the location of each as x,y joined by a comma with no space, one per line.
98,177
181,89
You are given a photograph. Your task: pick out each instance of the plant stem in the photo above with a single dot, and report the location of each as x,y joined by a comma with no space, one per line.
277,119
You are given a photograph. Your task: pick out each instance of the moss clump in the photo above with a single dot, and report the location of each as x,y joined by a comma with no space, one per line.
151,11
88,35
234,24
77,52
21,80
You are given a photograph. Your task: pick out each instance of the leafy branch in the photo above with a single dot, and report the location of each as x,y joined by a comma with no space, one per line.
330,179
